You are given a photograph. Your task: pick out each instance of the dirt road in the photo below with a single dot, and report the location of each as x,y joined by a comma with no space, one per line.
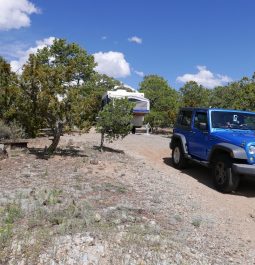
224,222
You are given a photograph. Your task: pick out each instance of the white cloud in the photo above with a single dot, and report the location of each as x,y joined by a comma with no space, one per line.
23,55
141,74
135,39
205,77
112,64
14,14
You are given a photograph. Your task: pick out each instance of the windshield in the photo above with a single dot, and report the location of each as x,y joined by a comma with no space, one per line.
233,120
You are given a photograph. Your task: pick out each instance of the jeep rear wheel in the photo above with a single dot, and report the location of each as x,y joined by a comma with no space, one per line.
225,180
178,158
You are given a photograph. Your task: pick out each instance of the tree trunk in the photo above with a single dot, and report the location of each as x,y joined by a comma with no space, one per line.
56,137
102,142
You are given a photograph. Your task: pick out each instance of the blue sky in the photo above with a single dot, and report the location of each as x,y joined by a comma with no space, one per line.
209,41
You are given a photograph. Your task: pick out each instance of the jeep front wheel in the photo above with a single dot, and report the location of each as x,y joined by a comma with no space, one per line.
225,180
178,158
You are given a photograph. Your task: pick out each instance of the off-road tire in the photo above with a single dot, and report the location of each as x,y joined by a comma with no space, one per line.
225,180
178,159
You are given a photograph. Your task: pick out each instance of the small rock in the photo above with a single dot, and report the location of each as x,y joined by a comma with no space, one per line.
97,217
94,161
252,215
152,223
117,221
26,174
192,251
45,202
131,219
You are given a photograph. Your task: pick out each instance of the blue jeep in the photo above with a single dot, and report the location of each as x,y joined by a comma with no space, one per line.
221,139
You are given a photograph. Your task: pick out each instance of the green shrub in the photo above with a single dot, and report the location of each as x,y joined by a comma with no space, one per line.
17,131
11,131
5,131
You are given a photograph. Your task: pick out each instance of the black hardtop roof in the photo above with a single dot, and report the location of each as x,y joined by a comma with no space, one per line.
194,108
215,109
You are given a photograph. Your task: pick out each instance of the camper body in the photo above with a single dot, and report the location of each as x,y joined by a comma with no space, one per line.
142,104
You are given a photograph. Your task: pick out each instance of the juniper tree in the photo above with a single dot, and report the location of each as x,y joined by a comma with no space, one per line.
114,120
53,89
8,91
164,101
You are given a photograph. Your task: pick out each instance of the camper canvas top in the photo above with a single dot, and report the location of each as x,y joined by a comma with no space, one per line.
120,93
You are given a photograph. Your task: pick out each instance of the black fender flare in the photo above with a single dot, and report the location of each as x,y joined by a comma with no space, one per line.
234,151
183,141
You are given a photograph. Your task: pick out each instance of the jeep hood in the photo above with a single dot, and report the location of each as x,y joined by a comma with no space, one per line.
237,137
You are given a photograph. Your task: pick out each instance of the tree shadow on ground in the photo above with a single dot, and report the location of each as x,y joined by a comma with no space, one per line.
168,136
71,152
108,149
204,176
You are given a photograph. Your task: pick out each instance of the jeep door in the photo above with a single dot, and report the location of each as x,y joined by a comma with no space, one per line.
199,136
183,124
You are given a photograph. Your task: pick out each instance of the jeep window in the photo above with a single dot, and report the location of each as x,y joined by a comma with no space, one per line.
200,121
184,118
233,120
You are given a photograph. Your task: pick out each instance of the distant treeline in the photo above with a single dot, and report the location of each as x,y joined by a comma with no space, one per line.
165,101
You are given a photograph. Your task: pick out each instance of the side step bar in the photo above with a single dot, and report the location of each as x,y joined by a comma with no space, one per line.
203,163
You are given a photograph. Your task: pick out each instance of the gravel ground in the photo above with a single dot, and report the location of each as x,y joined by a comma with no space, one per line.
127,205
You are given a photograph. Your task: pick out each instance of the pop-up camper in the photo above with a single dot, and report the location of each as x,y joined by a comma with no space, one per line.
142,104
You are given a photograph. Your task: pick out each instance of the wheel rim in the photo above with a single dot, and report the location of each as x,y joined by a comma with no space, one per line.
220,173
177,155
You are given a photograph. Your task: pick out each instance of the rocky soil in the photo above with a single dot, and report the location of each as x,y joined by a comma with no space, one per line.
127,205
